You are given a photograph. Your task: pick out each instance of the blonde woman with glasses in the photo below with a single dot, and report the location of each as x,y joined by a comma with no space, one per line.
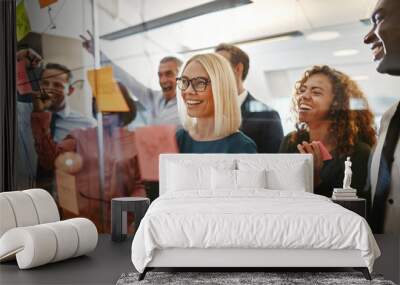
209,109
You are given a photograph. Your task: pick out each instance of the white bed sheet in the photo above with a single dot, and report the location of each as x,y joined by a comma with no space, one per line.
252,218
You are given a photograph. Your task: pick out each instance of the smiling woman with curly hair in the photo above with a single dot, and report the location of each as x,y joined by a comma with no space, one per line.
332,111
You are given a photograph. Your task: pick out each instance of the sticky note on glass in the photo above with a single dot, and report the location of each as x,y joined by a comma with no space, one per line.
324,152
45,3
108,95
150,143
67,191
22,22
23,84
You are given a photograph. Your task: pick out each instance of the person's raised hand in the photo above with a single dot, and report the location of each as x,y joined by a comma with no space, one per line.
88,42
32,58
40,101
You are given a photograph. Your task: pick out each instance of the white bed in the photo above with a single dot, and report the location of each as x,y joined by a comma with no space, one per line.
241,210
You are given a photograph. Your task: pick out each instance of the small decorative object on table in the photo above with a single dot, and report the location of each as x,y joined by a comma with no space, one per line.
119,208
345,193
347,196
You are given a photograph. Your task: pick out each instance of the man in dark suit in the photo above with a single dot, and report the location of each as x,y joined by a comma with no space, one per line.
384,38
259,121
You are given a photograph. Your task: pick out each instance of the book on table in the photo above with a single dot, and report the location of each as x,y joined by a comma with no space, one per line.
344,194
341,190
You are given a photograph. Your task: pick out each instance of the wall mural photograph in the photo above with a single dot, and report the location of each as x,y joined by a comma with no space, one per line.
254,139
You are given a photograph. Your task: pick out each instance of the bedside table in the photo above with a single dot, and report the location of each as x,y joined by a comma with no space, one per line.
357,205
119,208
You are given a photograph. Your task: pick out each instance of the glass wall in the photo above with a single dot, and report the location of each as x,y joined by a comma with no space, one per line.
96,106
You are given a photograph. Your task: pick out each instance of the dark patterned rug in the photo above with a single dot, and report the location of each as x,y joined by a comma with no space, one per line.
230,278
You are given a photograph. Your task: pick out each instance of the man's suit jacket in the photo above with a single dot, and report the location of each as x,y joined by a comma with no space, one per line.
392,212
262,124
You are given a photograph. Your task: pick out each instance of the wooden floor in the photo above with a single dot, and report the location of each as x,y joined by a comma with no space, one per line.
110,260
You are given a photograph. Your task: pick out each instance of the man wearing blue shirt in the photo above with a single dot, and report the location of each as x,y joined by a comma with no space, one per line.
155,107
55,80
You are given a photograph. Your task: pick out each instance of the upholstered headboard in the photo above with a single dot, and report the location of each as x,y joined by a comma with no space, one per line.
290,167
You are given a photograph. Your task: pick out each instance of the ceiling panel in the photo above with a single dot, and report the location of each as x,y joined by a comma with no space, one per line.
259,19
135,12
325,13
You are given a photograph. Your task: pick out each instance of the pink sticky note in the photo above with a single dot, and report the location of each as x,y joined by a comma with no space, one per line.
324,152
150,143
23,85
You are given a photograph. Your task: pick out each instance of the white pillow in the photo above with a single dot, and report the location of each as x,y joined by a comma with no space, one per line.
227,179
251,178
293,179
187,175
181,177
223,179
283,174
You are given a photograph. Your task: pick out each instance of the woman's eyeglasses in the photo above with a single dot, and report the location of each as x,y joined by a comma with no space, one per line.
199,84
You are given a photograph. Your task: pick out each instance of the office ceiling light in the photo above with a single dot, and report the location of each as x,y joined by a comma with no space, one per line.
345,52
270,38
210,7
322,36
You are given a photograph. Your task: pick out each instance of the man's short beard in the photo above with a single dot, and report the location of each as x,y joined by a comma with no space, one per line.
390,64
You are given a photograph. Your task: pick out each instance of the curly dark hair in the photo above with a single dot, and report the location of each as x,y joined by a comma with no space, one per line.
350,124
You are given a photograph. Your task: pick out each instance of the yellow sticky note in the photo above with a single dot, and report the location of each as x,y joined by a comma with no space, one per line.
45,3
108,95
23,25
96,76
